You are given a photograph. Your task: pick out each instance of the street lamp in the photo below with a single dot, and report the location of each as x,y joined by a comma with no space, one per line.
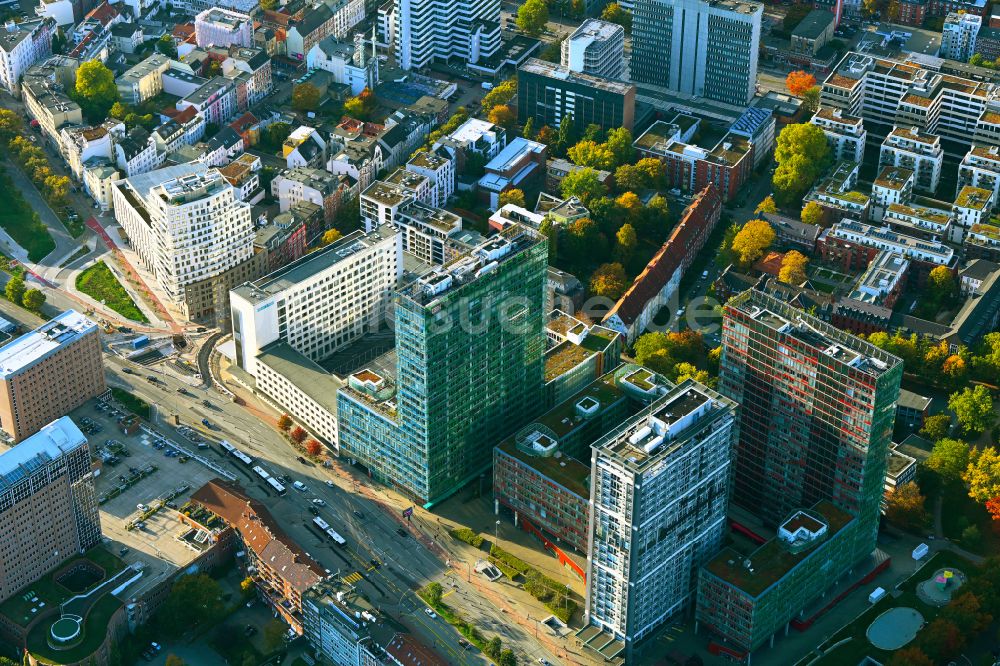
496,533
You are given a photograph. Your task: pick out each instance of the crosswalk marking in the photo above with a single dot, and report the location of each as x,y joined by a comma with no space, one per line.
352,578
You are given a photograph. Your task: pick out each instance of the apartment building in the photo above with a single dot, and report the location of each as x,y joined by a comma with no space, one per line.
45,92
135,152
288,321
836,193
78,144
350,64
281,570
456,390
852,246
757,125
596,48
91,38
223,27
913,149
21,46
144,80
215,99
747,598
547,92
659,492
48,508
972,207
189,230
893,185
981,168
344,627
704,48
958,36
433,235
920,221
429,30
320,187
890,93
335,19
49,372
473,136
795,448
439,169
845,134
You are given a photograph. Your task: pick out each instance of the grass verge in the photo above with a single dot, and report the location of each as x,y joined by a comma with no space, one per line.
22,223
100,283
133,403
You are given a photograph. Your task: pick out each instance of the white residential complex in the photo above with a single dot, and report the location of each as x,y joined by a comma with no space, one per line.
428,30
597,48
913,149
188,229
223,27
286,322
981,168
958,36
905,94
846,134
21,46
659,491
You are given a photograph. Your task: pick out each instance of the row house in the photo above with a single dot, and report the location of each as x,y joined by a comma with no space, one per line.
22,45
215,100
336,18
317,186
186,128
135,152
243,173
79,144
45,90
92,37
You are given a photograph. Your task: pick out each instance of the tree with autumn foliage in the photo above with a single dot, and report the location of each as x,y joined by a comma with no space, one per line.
766,205
752,241
502,115
512,196
904,506
993,507
799,81
941,639
363,106
298,434
949,459
305,97
983,474
284,422
609,281
812,213
967,613
910,656
793,267
591,154
313,447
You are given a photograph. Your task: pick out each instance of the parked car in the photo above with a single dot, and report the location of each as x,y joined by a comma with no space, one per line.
401,532
431,614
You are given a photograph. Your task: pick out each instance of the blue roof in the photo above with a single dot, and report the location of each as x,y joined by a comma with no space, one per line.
751,121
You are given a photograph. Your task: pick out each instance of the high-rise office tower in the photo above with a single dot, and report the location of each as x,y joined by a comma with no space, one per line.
428,30
596,48
48,372
816,413
468,369
48,508
659,492
704,48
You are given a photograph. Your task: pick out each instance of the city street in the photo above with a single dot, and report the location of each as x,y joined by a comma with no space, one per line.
368,527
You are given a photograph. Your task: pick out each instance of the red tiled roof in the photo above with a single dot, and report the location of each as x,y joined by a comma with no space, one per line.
406,650
104,13
243,122
770,263
182,31
260,532
675,252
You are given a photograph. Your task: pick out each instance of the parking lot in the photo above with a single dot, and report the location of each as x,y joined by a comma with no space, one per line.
138,470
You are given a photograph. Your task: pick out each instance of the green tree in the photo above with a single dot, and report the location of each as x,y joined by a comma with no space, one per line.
268,5
507,658
589,154
615,13
15,289
305,97
514,196
433,593
33,299
493,648
973,407
528,131
594,133
941,285
532,17
619,142
95,90
166,46
581,243
582,183
936,427
277,133
810,99
567,131
949,459
274,635
983,475
971,538
812,213
802,154
625,243
194,601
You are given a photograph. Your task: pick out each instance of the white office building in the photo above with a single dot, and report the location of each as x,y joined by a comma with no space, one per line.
439,169
349,64
659,491
958,36
285,322
223,27
597,48
845,133
981,168
428,30
186,225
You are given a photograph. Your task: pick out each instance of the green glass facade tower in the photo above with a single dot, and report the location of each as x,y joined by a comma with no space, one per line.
469,349
817,407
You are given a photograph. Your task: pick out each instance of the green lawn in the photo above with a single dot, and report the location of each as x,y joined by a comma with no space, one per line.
94,631
959,511
22,223
855,650
100,283
132,403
